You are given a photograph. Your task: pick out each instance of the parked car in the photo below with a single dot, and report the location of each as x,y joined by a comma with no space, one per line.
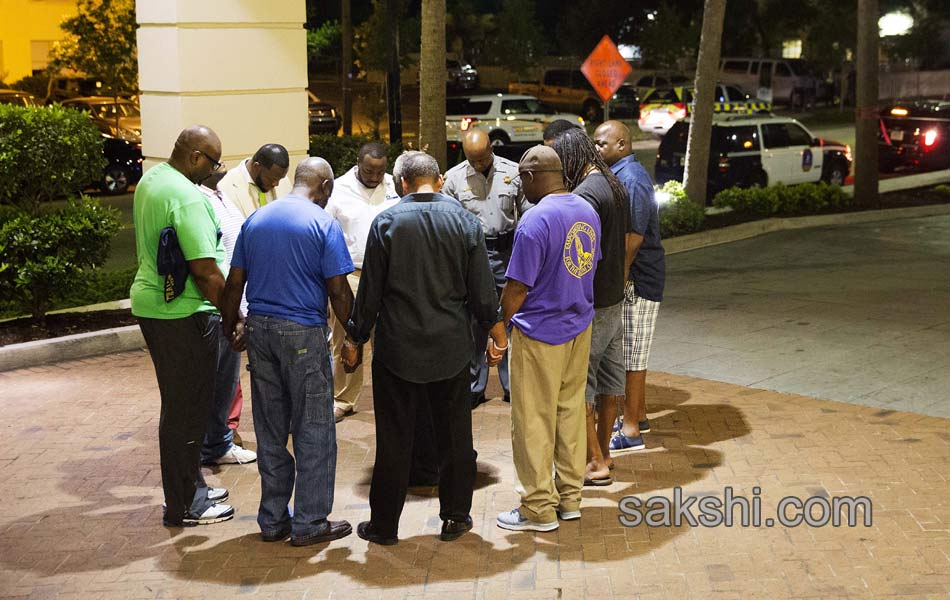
915,135
564,89
460,76
507,118
662,81
791,81
750,151
324,117
661,108
18,98
625,103
121,120
124,168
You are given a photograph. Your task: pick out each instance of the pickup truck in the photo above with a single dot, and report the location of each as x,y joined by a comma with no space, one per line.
566,90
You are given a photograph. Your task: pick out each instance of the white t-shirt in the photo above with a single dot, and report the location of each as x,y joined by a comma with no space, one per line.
355,206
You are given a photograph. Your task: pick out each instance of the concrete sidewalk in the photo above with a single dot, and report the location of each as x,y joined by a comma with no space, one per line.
82,505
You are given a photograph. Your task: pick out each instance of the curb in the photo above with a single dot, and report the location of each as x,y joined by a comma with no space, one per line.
743,231
71,347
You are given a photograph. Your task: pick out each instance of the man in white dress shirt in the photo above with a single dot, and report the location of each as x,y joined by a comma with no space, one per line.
255,181
358,196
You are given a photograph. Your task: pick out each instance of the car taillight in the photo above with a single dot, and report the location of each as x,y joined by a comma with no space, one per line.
847,153
723,164
466,123
930,137
679,111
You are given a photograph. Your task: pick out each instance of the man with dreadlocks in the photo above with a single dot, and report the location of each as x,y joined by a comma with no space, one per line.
588,176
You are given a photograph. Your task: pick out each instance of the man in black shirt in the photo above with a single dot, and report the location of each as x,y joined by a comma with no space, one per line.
589,177
425,276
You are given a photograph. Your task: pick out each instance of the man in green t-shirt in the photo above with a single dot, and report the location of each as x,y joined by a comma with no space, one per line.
182,332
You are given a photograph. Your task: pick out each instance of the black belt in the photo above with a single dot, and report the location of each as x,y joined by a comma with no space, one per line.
500,242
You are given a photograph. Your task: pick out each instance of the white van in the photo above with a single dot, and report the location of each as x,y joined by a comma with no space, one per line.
778,80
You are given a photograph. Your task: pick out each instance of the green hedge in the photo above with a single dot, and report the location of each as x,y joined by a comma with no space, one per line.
47,258
340,151
783,200
678,214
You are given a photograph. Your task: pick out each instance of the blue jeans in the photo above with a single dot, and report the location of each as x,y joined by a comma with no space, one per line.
219,437
292,393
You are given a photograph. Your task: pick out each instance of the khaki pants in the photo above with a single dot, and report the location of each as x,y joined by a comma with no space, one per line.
346,386
548,423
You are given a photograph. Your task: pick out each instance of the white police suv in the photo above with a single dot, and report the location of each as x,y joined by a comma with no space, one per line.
749,151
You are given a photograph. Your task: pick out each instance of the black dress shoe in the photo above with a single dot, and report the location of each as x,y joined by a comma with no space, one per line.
507,398
478,400
333,530
366,531
452,529
277,536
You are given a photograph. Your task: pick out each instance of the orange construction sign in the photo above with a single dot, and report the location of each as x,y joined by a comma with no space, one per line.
605,69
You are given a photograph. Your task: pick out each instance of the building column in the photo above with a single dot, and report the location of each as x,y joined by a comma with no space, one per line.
236,66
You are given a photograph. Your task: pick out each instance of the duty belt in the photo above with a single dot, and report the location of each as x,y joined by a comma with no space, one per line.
500,242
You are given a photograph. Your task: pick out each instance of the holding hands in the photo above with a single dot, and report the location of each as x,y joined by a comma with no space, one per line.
497,344
352,354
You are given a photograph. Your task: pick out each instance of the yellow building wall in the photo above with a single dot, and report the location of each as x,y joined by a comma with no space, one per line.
27,28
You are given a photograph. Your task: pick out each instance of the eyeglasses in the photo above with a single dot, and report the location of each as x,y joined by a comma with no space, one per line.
215,164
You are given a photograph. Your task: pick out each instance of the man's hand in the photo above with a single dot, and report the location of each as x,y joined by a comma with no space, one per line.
238,341
497,344
352,355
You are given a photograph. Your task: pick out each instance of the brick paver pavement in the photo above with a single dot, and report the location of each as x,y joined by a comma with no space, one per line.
81,505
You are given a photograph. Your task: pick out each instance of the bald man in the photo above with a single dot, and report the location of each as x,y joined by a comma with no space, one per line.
488,186
176,295
291,255
643,291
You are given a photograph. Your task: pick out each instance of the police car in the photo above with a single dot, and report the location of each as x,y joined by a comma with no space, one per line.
750,151
915,135
507,118
660,108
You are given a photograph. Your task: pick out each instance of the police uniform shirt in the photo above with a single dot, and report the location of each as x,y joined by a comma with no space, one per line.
497,200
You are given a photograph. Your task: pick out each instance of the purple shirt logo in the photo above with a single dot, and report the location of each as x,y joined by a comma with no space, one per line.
577,258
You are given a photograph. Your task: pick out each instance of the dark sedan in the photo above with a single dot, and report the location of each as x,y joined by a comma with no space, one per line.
324,118
914,135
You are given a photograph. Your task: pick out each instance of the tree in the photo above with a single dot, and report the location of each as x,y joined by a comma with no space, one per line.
666,38
371,37
866,122
324,44
100,43
700,127
518,41
432,80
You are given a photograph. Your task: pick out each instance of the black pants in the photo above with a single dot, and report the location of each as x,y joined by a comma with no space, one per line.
185,355
397,403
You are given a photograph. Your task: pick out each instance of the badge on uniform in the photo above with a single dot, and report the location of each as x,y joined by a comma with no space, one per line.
507,179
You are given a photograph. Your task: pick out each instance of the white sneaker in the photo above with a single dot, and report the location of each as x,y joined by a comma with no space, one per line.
235,455
217,494
515,522
216,513
568,515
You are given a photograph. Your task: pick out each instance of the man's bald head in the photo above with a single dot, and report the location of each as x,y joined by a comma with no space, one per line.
478,150
612,139
197,153
313,180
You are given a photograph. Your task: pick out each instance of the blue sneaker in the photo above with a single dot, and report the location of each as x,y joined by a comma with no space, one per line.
618,424
515,522
621,444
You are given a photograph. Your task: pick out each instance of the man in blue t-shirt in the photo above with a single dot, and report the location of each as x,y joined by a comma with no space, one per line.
647,277
549,302
291,254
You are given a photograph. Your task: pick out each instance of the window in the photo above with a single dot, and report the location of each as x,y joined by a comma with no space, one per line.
465,106
797,136
558,77
782,70
645,81
679,80
755,67
520,107
735,66
39,53
662,82
740,139
734,93
775,135
720,94
792,49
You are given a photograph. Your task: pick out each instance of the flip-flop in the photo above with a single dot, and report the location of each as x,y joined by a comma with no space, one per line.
598,482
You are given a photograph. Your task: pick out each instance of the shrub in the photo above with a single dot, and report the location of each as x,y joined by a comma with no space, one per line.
943,189
341,151
679,215
46,152
804,199
47,257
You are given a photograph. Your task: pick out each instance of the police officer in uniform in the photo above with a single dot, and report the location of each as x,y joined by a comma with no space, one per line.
489,187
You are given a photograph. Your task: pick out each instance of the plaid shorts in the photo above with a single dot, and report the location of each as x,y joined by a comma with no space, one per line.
639,319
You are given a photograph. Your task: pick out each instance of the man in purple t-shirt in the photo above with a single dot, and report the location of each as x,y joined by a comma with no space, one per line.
549,302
